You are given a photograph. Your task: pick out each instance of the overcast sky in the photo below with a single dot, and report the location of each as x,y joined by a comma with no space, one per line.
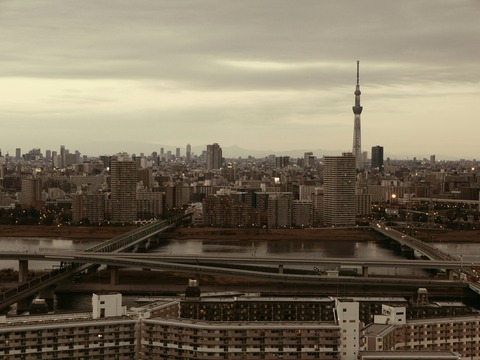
103,76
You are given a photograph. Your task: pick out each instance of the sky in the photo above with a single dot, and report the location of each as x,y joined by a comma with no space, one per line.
104,76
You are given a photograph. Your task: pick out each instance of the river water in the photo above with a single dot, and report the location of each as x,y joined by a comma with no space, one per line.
308,249
39,244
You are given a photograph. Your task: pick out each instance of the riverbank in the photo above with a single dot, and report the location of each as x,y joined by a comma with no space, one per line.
331,234
65,232
108,232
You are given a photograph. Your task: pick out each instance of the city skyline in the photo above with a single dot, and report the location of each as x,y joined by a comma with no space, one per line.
271,76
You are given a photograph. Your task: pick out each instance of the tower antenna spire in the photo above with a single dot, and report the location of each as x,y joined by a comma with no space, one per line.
358,72
357,110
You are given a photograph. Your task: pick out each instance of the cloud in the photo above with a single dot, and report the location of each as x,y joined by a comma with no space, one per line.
274,66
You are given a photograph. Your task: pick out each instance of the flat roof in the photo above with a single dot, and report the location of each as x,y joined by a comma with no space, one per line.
443,320
256,297
378,329
227,325
55,321
400,355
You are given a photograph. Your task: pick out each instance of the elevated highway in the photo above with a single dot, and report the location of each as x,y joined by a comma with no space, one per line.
226,267
142,259
70,268
137,236
112,253
421,247
466,271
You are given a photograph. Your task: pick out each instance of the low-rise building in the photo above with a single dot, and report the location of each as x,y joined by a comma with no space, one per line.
109,335
239,326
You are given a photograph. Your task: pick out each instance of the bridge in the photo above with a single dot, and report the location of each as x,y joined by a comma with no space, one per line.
281,270
279,264
423,248
111,252
466,271
46,283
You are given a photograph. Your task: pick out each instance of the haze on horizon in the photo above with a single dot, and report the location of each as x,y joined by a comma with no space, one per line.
117,75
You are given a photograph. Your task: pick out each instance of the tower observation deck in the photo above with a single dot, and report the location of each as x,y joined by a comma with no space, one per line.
357,131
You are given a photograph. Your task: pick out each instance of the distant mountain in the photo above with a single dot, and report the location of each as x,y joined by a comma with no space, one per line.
236,151
110,147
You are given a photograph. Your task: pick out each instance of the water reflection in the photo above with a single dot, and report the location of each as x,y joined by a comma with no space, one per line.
311,249
278,248
39,245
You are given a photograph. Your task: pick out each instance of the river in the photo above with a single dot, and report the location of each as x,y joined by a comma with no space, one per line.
310,249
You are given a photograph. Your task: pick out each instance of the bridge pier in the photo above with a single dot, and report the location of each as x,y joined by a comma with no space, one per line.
450,273
408,252
280,268
365,271
114,277
49,295
152,242
24,304
22,271
140,248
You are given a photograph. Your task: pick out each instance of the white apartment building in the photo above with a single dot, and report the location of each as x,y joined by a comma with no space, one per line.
157,330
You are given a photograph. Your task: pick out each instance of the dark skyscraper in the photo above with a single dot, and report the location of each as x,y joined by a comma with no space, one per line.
188,153
214,156
63,156
339,187
377,158
357,131
123,174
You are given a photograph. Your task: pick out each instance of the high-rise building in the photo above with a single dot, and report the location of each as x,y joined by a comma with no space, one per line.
306,191
145,175
55,159
88,206
62,156
177,153
377,158
123,174
308,159
280,208
317,207
363,202
302,212
227,210
214,156
188,154
357,131
150,204
282,161
339,177
31,192
18,154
